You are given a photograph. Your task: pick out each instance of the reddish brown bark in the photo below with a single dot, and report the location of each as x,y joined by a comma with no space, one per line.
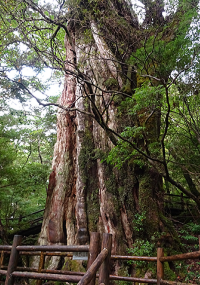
88,195
52,183
63,177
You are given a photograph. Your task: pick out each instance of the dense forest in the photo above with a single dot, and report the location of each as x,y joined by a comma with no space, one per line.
128,125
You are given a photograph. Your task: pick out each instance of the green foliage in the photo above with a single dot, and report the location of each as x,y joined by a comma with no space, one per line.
120,154
26,145
146,98
142,248
188,232
143,97
7,156
195,228
167,49
139,220
181,271
191,239
187,272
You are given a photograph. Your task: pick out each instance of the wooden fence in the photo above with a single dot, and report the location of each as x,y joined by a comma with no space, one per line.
96,260
181,201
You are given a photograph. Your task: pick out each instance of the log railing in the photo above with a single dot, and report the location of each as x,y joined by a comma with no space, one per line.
96,261
179,201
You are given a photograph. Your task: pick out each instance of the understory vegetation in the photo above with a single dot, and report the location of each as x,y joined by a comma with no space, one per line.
180,271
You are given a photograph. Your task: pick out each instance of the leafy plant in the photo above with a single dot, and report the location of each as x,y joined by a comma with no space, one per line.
142,248
139,220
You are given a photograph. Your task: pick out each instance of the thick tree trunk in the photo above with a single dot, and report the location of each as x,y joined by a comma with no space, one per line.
85,194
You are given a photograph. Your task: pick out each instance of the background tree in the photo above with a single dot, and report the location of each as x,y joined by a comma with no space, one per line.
27,136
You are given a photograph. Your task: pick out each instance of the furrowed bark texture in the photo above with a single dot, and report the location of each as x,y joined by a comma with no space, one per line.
60,208
84,193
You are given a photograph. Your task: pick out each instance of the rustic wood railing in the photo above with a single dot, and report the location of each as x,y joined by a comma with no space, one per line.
96,261
178,201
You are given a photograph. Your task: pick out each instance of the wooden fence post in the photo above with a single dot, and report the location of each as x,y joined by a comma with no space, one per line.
41,266
104,270
160,266
14,255
1,259
93,251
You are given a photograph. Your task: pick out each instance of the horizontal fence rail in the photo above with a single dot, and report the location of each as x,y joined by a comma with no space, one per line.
54,248
136,258
39,253
6,247
42,276
189,255
53,271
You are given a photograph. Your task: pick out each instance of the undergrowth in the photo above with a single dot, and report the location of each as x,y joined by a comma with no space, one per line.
186,271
